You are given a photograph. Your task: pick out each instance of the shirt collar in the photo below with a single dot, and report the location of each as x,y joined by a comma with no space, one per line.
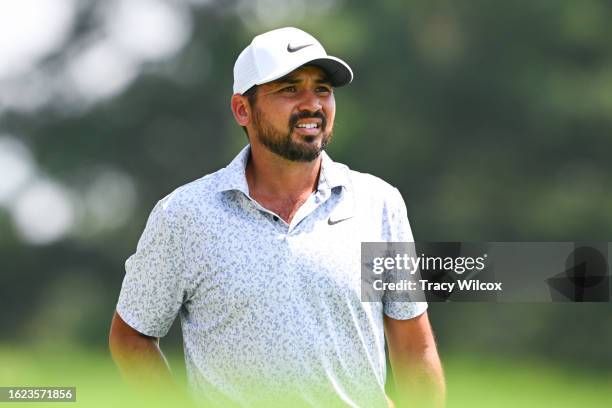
233,176
333,174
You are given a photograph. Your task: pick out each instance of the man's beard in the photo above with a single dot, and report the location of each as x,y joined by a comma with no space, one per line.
283,145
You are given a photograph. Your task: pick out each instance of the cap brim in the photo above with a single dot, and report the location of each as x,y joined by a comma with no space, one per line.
338,71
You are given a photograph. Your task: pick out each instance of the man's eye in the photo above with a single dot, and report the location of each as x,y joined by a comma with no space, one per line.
324,89
289,89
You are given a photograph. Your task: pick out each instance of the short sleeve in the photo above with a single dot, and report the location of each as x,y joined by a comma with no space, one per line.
400,231
398,216
404,310
153,287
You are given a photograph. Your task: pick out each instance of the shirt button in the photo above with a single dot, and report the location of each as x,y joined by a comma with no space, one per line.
275,218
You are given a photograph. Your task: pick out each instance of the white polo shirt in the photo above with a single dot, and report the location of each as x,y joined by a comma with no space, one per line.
270,312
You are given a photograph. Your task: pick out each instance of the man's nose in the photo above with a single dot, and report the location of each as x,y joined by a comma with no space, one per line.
310,102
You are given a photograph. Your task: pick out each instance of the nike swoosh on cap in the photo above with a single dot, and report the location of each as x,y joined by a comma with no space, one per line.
299,47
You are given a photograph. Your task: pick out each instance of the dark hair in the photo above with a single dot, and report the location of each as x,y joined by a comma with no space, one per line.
251,95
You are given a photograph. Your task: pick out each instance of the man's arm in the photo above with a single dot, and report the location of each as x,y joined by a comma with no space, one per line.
138,357
419,379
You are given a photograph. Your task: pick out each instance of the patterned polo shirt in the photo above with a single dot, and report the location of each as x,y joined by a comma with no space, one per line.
270,312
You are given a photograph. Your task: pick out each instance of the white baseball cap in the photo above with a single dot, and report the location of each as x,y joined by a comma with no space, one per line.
276,53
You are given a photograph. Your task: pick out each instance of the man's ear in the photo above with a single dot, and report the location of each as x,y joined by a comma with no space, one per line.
241,109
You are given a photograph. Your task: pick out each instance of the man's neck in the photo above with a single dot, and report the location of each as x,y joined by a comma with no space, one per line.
270,175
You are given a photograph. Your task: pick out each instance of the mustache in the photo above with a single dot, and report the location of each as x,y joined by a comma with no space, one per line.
293,119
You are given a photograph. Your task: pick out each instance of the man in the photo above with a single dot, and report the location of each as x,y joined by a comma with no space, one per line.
262,259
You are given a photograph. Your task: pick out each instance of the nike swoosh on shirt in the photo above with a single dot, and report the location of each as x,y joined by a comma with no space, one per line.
333,222
299,47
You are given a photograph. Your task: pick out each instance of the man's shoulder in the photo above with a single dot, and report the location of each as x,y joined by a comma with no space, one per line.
369,181
194,193
369,184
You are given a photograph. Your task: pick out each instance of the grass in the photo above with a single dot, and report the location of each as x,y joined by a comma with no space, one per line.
477,382
472,381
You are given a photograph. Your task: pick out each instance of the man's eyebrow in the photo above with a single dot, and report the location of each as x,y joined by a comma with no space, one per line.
288,80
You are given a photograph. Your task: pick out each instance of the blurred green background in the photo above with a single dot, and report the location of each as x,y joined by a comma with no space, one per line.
493,118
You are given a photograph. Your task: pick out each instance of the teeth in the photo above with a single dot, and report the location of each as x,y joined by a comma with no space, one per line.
308,125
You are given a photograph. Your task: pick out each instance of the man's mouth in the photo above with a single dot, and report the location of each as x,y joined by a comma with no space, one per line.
308,128
308,125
